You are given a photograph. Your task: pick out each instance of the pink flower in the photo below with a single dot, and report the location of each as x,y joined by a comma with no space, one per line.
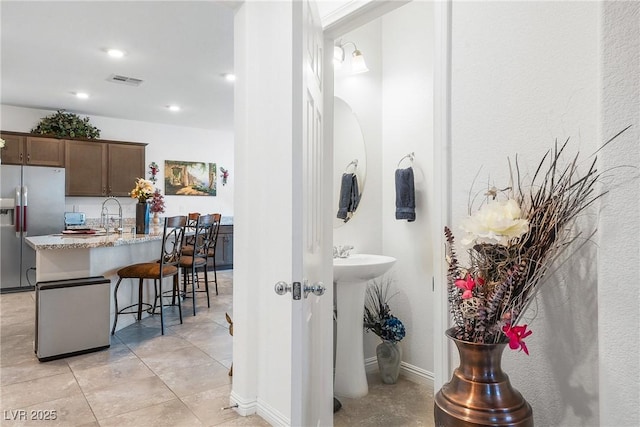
467,284
516,335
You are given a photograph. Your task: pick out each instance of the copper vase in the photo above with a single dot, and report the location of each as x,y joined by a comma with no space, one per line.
479,393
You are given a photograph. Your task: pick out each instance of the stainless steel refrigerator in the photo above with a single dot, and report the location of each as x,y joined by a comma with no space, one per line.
31,204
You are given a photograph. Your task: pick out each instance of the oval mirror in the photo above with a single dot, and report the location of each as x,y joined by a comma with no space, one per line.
349,152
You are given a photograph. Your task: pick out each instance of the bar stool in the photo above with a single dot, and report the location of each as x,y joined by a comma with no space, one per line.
211,253
192,219
196,257
167,266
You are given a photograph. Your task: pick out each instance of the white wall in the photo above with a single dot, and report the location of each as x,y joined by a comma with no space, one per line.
407,126
165,142
619,227
393,103
261,344
363,92
523,74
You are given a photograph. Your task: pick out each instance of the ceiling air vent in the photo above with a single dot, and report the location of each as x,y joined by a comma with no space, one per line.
115,78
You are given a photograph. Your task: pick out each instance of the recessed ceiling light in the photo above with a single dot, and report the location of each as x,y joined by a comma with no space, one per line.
82,95
115,53
230,77
173,107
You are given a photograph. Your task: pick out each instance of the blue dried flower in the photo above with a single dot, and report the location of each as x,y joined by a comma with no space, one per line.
392,329
377,314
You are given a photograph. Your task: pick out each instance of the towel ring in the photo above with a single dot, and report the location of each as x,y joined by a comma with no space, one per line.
354,162
409,156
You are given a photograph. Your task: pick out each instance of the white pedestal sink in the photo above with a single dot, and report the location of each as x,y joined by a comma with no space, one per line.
351,275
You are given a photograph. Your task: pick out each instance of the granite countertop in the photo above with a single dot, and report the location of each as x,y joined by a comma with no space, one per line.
98,240
75,241
128,222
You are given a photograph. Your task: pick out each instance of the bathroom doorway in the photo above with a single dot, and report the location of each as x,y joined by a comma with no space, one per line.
401,112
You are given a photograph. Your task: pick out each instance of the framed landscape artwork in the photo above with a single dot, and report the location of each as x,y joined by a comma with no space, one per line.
189,178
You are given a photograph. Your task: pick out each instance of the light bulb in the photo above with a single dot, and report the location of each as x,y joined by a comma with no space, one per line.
357,63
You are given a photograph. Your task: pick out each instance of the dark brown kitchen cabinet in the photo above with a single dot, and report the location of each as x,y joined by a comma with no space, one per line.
21,149
125,164
99,168
224,248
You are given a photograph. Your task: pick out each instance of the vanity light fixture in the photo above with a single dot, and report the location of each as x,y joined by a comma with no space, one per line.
81,95
115,53
173,107
358,64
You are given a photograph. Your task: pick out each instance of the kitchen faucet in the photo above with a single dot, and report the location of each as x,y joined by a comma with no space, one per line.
105,216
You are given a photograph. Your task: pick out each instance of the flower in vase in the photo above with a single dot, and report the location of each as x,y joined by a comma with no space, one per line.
142,191
512,244
496,222
377,314
157,202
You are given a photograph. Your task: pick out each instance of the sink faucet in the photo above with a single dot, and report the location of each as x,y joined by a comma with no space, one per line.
106,217
342,251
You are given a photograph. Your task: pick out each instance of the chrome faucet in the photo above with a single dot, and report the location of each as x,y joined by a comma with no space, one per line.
106,217
342,251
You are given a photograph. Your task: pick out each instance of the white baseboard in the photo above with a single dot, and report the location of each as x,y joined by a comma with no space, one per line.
408,371
245,407
417,375
272,416
371,364
248,407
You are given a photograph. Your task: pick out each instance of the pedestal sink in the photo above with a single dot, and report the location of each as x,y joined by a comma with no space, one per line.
351,275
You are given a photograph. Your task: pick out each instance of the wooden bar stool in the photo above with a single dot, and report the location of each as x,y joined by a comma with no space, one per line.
167,266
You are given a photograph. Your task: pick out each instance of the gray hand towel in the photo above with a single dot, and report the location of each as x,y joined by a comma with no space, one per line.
349,196
405,195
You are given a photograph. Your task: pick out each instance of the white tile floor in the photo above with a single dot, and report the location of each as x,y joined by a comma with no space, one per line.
143,379
146,379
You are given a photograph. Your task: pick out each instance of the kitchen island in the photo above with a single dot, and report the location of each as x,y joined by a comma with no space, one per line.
61,257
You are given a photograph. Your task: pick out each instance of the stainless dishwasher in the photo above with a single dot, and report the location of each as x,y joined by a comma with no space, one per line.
72,317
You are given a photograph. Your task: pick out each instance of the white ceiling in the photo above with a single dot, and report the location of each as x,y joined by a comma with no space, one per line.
180,49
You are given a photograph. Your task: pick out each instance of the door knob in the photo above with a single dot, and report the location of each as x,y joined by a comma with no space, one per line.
282,288
317,289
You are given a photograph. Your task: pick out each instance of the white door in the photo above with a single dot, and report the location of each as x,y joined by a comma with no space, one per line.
312,321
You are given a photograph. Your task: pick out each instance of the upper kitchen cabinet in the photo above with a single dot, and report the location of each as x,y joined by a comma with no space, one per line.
21,149
125,164
103,168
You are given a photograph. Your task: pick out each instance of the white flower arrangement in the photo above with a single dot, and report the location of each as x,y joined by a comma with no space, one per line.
496,222
511,244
